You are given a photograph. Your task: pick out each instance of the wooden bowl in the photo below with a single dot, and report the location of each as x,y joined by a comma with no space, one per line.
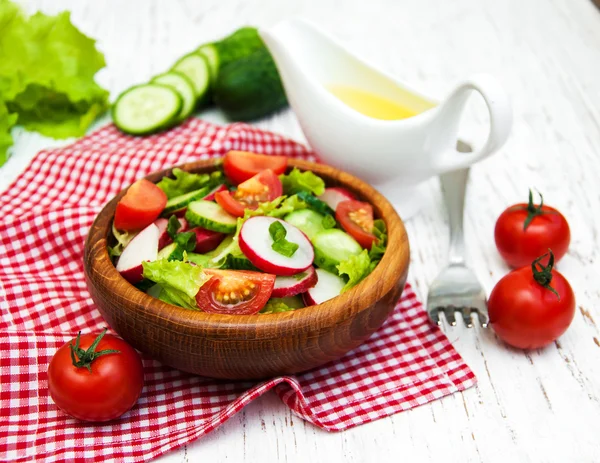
250,346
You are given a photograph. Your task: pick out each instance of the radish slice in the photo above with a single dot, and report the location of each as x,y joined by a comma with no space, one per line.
206,240
295,284
256,243
142,248
335,195
211,196
328,286
164,238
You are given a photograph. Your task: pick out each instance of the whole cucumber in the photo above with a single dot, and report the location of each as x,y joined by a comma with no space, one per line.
250,87
242,42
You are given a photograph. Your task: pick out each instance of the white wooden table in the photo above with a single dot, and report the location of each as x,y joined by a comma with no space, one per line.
541,406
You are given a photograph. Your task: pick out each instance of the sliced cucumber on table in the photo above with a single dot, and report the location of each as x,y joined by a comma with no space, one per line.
182,85
195,67
209,51
147,108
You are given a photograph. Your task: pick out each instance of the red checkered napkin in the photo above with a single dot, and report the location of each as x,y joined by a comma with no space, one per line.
45,216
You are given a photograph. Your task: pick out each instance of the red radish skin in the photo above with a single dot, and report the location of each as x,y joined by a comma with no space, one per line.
142,248
291,286
308,301
211,195
328,286
164,238
255,242
335,195
206,240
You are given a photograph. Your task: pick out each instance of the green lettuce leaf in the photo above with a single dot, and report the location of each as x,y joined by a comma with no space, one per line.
123,238
356,268
186,182
297,181
379,246
7,120
283,304
180,281
47,69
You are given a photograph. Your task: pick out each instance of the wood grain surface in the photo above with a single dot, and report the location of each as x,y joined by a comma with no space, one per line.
540,406
250,346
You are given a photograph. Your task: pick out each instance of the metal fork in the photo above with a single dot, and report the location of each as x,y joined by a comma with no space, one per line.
456,288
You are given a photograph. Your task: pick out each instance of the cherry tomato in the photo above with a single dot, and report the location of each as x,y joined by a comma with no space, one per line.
141,205
532,306
525,231
263,187
235,292
239,166
356,218
103,381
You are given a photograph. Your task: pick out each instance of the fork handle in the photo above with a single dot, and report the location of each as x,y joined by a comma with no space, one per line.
454,186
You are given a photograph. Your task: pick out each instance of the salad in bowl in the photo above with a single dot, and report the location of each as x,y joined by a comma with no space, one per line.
251,237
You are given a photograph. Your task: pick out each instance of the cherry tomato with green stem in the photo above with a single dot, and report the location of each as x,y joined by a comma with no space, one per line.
95,378
525,231
531,307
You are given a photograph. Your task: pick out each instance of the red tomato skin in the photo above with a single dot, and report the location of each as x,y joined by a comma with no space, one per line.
526,315
227,202
520,247
240,166
206,302
362,237
112,388
141,205
250,187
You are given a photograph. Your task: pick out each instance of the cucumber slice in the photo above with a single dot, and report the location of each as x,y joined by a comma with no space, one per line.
181,202
182,85
209,51
239,262
309,221
170,252
195,67
211,216
332,247
146,108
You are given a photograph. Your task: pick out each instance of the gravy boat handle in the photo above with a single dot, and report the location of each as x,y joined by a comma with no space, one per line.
451,109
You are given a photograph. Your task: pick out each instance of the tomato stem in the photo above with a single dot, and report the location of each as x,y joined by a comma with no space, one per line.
532,210
543,274
86,357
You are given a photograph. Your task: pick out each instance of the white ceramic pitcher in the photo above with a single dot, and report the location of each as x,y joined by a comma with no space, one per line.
392,155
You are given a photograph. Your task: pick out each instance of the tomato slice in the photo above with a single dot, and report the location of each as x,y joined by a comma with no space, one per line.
141,205
239,292
240,166
263,187
356,218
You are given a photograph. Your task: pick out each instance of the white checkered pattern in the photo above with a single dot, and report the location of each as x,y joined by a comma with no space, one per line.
44,302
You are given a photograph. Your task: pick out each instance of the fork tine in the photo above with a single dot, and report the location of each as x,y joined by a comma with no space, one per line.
434,316
484,320
466,315
449,313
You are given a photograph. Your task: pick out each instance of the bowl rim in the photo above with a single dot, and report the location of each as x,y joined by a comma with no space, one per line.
320,316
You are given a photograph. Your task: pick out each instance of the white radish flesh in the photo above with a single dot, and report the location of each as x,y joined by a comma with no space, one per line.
142,248
286,286
333,196
256,243
164,239
328,286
